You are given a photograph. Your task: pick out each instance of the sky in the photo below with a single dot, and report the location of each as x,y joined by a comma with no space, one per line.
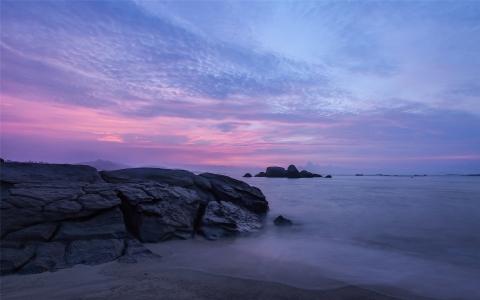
342,86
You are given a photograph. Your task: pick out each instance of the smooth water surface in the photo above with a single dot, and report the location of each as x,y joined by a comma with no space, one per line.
420,235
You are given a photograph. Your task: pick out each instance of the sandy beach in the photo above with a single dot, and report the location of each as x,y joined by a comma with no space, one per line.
150,280
179,275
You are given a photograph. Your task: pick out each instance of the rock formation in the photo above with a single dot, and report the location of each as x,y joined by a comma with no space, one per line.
282,221
275,172
56,216
247,175
290,172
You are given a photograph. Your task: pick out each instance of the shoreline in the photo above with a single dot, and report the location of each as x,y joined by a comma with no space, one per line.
175,275
148,280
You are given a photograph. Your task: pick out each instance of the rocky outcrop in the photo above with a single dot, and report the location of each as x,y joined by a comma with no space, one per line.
306,174
282,221
162,204
290,172
247,175
56,216
275,172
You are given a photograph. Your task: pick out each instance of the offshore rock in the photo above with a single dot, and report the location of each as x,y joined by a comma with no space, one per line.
290,172
276,172
282,221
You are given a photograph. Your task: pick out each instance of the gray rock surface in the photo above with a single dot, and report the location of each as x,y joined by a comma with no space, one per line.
238,192
13,256
56,216
105,225
91,252
39,232
164,212
225,219
48,257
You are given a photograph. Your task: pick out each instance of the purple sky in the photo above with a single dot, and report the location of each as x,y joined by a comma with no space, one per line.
339,86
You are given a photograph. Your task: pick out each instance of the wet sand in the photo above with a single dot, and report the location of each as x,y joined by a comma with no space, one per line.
187,270
149,280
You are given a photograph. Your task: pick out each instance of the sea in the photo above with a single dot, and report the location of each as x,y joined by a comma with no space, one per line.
411,237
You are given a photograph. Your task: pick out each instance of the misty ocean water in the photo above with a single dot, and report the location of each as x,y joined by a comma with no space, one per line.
420,236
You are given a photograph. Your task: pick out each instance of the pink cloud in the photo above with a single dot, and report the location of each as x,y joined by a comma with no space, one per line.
91,133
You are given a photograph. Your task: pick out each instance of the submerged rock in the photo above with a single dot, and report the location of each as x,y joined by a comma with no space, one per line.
282,221
56,216
328,176
247,175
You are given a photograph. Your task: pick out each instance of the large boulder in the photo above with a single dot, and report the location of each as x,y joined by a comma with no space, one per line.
56,216
159,210
276,172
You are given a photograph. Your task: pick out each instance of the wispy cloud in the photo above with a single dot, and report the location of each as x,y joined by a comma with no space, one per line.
229,82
